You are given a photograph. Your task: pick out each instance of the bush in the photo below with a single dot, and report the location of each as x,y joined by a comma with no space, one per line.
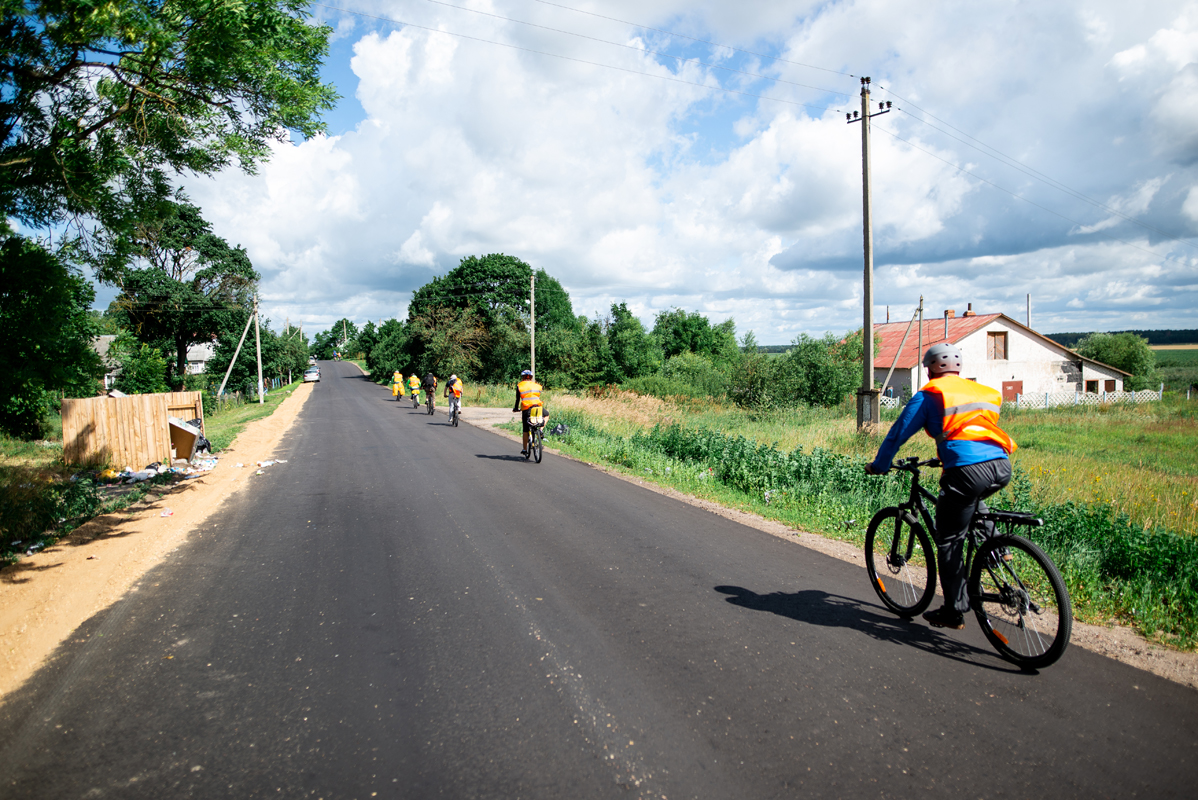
33,504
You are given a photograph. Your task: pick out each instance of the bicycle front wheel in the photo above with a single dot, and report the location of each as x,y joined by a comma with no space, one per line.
1021,601
537,444
900,561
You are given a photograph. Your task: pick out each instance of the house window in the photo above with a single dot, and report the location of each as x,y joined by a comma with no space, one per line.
1092,387
1110,386
996,346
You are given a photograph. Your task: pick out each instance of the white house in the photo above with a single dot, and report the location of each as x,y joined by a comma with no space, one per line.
999,352
198,356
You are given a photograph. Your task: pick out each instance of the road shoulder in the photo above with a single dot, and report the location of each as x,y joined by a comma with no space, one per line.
46,596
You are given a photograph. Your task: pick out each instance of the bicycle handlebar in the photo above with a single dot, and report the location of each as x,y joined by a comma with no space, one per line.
912,463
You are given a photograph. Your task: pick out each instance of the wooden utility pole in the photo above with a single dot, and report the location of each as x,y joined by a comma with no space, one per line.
532,305
867,395
919,353
258,345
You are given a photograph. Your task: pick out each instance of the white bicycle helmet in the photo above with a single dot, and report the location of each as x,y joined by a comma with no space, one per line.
943,357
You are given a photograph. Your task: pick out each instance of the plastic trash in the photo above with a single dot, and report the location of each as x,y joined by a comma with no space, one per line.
167,513
560,429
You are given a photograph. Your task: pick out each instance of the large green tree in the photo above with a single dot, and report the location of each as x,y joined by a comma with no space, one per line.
183,286
1125,351
102,101
46,333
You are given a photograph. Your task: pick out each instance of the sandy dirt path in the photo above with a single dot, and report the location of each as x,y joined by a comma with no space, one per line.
1116,641
46,596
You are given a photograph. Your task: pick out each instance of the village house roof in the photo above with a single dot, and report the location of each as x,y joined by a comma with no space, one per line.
891,334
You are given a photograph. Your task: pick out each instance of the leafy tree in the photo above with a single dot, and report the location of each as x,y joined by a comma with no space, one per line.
748,343
680,332
819,372
634,351
191,281
102,101
450,340
47,333
142,367
390,353
1125,351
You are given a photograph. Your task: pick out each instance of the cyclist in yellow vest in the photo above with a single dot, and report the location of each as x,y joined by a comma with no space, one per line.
414,388
528,397
962,416
453,391
396,384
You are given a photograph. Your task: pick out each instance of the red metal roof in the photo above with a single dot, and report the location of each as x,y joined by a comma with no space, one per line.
891,333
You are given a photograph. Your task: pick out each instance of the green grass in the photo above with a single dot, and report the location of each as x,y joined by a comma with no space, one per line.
222,426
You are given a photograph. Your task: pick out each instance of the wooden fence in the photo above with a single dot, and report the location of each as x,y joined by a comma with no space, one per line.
125,431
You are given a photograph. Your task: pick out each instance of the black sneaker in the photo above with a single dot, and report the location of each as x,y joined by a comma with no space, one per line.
945,617
524,453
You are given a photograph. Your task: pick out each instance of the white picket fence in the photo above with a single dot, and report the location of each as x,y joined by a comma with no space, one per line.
1054,399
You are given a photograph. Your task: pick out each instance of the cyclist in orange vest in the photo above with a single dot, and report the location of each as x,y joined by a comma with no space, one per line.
453,391
962,416
528,396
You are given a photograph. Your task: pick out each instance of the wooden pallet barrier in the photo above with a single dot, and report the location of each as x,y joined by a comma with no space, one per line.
128,431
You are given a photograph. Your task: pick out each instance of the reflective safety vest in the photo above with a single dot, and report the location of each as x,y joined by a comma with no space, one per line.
414,382
970,412
530,394
456,388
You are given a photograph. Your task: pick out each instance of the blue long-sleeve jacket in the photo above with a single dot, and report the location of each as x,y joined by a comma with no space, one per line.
926,410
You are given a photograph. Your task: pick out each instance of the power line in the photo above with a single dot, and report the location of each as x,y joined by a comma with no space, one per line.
958,167
1015,164
693,39
716,88
637,49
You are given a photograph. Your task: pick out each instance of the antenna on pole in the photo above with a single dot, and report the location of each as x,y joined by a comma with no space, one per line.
867,396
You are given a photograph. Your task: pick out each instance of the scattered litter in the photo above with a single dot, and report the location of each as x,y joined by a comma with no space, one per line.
560,429
259,472
93,558
167,513
14,544
239,465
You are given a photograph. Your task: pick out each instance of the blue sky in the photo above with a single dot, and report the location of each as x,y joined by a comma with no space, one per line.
630,176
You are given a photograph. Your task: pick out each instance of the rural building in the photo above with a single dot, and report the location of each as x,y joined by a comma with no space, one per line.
999,352
198,356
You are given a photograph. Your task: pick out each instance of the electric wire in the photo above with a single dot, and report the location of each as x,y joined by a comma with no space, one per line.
693,39
716,88
1033,173
892,134
634,48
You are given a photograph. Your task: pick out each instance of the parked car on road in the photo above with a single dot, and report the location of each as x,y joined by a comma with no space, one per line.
312,375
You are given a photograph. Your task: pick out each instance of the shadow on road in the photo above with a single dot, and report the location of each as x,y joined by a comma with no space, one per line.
816,607
515,457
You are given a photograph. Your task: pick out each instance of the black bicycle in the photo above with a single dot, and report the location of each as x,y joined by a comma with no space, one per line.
536,436
415,399
454,410
1015,590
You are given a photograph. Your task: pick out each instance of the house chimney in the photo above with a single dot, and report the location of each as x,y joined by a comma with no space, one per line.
969,312
948,314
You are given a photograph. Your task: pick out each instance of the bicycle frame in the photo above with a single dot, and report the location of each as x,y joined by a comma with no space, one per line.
915,502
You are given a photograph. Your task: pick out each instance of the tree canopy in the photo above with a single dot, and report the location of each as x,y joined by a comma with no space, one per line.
1125,351
47,333
190,283
102,100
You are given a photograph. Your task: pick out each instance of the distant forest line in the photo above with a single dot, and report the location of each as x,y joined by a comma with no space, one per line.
1153,337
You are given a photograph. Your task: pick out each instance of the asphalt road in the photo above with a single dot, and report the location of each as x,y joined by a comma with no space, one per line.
411,610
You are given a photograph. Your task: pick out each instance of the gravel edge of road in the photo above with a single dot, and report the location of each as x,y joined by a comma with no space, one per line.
1119,642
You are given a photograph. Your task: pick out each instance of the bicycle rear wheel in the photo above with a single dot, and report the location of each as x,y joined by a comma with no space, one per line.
1021,601
537,444
900,561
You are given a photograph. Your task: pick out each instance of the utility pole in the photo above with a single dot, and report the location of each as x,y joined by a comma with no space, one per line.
919,353
258,345
532,304
867,395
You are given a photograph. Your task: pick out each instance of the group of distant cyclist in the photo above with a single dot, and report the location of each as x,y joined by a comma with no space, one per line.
528,397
